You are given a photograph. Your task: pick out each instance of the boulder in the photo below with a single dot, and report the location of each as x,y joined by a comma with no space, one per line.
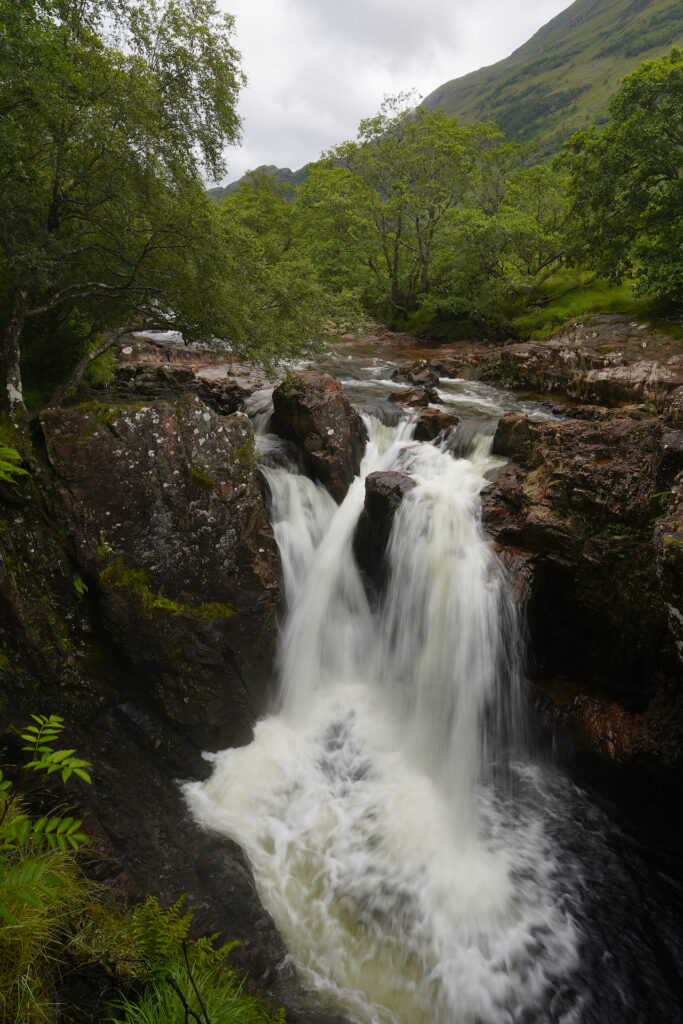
139,581
170,530
226,396
148,380
415,397
420,374
669,550
384,493
583,498
316,416
432,422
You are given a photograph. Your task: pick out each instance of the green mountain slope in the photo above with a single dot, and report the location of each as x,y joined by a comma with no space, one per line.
282,174
563,77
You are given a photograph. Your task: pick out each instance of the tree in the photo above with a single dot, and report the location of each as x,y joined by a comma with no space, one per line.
109,112
498,251
626,183
382,199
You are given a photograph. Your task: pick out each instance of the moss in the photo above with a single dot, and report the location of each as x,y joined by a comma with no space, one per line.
136,581
200,478
216,610
673,550
246,454
120,575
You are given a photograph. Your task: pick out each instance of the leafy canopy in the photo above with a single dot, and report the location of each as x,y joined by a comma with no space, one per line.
626,183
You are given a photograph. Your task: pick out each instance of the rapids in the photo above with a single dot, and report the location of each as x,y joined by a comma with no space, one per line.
421,864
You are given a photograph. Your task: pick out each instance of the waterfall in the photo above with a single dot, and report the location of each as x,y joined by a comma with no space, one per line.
410,882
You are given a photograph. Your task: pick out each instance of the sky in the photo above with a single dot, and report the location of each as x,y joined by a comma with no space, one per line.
315,68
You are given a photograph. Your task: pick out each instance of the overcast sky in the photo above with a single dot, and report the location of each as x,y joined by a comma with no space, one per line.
316,67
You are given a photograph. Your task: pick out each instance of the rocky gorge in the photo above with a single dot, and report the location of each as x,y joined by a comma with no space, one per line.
140,580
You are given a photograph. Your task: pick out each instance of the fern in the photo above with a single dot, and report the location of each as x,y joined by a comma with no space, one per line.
158,934
40,887
9,470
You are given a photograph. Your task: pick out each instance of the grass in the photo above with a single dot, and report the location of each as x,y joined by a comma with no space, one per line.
584,300
564,76
587,298
222,995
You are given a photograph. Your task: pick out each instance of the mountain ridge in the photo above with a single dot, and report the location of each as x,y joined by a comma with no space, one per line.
562,78
588,47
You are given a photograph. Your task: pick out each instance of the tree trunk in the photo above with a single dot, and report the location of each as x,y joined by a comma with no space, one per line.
12,397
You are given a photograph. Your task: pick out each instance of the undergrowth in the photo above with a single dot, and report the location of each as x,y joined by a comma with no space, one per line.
573,295
55,923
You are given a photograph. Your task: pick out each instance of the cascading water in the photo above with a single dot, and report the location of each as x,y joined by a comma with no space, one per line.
410,881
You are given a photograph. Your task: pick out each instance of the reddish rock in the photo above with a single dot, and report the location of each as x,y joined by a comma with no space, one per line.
227,396
414,397
315,414
610,360
170,530
589,520
582,501
420,374
432,422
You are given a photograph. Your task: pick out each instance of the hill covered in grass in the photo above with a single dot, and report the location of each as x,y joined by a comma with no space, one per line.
563,77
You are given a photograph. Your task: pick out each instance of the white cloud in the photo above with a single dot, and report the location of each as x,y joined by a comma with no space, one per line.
316,67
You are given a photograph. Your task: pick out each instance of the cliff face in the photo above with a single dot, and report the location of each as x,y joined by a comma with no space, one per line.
589,515
139,582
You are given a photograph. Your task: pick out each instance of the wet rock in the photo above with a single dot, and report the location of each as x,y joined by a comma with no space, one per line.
433,422
384,493
582,501
589,519
165,508
420,374
96,557
669,550
227,396
415,397
609,361
315,414
674,407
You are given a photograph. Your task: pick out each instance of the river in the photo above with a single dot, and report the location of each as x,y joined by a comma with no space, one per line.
423,861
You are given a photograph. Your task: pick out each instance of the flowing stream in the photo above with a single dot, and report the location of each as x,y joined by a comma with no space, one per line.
419,862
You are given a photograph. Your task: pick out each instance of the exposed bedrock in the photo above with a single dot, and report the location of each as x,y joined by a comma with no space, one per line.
164,506
587,516
139,581
314,413
420,374
608,360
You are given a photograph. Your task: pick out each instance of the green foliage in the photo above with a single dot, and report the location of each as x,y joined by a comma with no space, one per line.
626,183
9,468
104,217
179,973
51,917
576,294
223,1001
39,884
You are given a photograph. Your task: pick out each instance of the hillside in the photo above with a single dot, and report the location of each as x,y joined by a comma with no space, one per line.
282,174
563,77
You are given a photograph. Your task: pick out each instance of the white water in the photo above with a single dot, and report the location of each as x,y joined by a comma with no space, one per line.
374,803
